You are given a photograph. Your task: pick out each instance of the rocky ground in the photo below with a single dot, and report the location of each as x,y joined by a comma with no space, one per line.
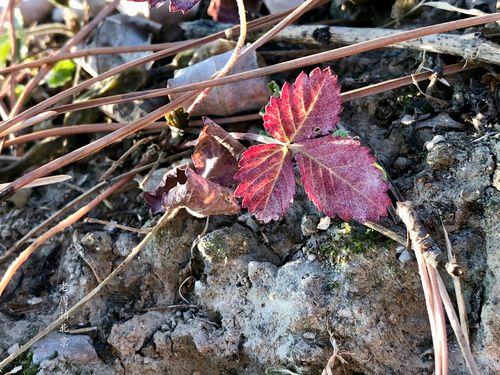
282,298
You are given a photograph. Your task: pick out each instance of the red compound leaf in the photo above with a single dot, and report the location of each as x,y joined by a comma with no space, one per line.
216,154
305,109
340,177
267,183
199,196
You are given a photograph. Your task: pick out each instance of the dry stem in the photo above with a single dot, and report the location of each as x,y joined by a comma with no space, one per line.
434,290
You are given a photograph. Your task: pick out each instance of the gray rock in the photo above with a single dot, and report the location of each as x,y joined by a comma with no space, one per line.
128,338
76,348
405,256
308,225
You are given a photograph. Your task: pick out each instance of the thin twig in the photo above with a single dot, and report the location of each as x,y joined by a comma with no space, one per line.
421,244
13,51
456,271
123,157
115,225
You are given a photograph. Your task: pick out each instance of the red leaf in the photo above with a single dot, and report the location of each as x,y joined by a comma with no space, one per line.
267,181
305,109
199,196
340,177
216,154
183,6
155,199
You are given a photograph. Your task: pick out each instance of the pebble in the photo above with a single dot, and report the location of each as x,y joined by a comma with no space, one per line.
308,225
324,223
401,163
405,256
309,335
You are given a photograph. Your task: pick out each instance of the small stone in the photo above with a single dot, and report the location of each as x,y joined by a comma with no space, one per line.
308,225
401,163
400,249
324,223
311,257
309,335
77,348
14,348
433,142
405,256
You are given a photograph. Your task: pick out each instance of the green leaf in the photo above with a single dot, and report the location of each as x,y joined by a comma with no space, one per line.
274,89
4,50
61,74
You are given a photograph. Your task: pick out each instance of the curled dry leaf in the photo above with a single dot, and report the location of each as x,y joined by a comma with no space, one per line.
199,196
206,190
216,154
227,99
340,175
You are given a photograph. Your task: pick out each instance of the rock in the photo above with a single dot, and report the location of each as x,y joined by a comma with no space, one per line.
443,121
309,225
309,335
127,338
441,155
273,317
324,223
433,142
401,163
405,256
76,348
124,244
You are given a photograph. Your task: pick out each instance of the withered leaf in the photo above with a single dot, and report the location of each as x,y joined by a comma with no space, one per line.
198,195
216,154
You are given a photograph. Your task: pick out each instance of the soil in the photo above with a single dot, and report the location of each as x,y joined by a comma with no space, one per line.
280,298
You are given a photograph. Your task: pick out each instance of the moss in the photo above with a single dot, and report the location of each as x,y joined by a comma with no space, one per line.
217,248
347,240
26,361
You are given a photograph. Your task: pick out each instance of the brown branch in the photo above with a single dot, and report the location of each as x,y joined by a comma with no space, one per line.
426,252
108,127
348,96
